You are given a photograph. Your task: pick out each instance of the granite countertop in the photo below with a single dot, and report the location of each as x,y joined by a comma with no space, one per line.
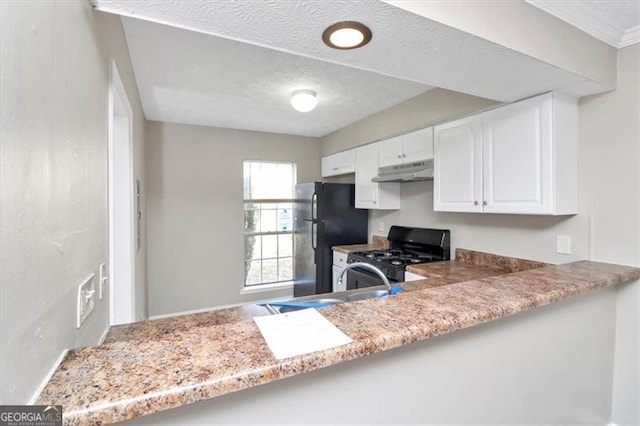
468,265
377,242
155,329
208,357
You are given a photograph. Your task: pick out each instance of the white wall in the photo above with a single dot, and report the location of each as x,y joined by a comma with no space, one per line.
53,183
609,165
607,227
195,210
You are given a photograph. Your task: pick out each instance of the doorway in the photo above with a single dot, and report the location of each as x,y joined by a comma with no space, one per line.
121,203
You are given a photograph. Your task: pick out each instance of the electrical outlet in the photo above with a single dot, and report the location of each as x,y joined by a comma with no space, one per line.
102,280
86,299
563,244
381,226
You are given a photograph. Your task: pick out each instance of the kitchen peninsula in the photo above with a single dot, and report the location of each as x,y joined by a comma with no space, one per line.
563,352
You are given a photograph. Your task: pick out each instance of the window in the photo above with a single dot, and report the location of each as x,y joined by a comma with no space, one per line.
268,222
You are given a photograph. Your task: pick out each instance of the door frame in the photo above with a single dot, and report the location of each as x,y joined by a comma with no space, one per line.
121,274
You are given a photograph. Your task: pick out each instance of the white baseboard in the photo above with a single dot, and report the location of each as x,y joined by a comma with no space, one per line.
46,379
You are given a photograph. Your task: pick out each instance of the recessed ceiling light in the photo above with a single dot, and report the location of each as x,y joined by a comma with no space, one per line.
303,100
346,35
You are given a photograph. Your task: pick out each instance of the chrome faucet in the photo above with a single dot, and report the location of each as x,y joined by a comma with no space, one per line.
372,268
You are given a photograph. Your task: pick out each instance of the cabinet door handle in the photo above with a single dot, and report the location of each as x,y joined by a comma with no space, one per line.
475,203
399,156
484,203
404,155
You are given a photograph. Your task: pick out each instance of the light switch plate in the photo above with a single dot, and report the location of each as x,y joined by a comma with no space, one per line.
563,244
86,299
381,226
102,280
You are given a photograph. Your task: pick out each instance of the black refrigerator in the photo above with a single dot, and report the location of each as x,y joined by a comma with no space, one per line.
324,216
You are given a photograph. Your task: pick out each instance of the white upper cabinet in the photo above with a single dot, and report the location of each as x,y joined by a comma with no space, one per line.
415,146
340,163
418,145
372,195
391,151
457,166
520,158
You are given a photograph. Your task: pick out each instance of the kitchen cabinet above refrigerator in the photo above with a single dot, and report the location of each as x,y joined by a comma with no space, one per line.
518,159
340,163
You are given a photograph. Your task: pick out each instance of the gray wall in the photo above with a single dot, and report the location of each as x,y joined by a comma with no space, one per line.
54,180
607,227
415,113
195,210
112,36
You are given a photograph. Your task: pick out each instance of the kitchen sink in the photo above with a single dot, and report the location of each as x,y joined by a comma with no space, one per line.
366,295
296,305
324,300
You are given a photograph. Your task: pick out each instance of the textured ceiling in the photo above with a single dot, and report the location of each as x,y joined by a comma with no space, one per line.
194,78
175,68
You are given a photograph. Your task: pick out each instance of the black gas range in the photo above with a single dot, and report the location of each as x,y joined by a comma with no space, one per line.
407,246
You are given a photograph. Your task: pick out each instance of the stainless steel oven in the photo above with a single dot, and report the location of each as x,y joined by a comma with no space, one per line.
361,278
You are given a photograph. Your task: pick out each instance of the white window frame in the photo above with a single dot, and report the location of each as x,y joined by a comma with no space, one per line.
271,285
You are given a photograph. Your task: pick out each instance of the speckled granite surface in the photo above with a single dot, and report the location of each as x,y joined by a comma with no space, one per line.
166,326
377,242
509,264
125,379
448,272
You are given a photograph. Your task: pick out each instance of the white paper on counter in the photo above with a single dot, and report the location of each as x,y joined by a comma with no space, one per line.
299,332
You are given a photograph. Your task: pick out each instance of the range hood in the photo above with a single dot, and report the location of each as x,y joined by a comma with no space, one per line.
409,172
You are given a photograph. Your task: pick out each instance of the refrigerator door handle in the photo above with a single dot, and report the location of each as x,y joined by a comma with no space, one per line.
314,236
314,206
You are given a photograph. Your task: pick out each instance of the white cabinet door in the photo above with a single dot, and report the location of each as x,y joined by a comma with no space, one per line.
517,157
339,163
366,169
458,165
327,166
391,151
414,146
371,195
520,158
336,271
418,146
339,259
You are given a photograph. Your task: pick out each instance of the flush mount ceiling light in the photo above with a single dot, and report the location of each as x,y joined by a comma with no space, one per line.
303,100
346,35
